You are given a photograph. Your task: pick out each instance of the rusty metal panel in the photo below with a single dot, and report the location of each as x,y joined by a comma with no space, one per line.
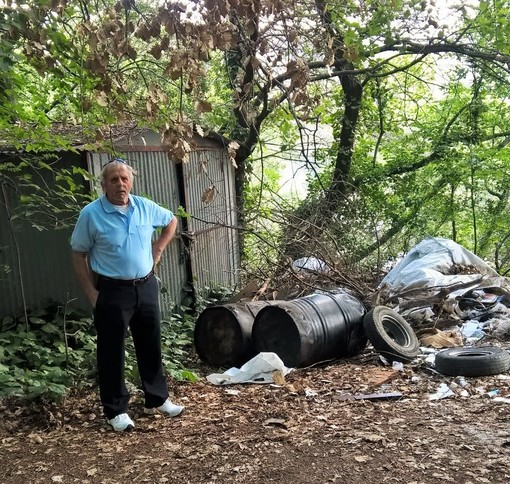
210,201
45,270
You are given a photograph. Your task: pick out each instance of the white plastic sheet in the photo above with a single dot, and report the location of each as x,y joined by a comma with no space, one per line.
310,264
429,265
443,391
259,369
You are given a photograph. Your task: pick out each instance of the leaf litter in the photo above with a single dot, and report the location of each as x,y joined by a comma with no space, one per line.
307,428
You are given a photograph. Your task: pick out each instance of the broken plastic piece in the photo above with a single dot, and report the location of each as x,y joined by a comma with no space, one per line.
379,396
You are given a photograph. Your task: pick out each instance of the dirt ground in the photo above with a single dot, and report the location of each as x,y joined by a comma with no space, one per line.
321,426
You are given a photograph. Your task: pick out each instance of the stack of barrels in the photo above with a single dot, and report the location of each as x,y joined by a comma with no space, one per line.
301,332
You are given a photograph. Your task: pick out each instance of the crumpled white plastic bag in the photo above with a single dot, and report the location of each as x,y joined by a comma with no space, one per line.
444,391
257,370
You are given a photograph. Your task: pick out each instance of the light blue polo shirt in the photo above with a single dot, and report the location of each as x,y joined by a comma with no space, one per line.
119,245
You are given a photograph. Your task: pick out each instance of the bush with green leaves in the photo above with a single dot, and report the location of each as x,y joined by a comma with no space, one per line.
52,352
176,343
45,354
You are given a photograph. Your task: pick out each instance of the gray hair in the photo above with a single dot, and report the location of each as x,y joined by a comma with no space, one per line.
115,162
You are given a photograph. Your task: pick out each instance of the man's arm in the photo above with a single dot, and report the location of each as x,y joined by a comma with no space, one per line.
84,276
159,245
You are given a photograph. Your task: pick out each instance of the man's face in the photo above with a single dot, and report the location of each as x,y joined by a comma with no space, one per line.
117,184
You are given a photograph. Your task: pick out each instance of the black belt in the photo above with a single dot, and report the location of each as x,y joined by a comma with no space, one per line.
128,282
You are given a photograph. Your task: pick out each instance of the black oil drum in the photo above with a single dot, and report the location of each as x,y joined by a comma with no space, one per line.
311,329
223,333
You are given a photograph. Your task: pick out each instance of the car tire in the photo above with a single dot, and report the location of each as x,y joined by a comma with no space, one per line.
390,334
472,361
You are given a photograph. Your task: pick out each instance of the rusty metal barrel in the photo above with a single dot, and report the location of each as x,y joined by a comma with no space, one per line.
311,329
222,334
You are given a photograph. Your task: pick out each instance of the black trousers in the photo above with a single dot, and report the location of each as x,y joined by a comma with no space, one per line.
118,308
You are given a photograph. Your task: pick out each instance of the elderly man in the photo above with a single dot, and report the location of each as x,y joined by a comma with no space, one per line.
114,258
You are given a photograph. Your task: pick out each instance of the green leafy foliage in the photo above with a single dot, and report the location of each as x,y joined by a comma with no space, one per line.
398,110
176,344
58,351
42,190
211,296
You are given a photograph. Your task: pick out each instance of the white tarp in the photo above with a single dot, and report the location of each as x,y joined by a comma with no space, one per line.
312,264
429,264
259,369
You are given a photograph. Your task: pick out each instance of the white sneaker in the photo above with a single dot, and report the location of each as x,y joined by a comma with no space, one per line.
168,409
122,423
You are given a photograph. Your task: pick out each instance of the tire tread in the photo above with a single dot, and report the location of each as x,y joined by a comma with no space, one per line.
382,342
461,361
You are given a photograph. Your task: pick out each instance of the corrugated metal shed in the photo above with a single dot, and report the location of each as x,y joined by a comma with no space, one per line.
156,179
35,265
210,200
211,259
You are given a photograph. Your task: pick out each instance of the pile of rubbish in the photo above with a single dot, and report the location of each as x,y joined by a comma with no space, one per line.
447,294
434,307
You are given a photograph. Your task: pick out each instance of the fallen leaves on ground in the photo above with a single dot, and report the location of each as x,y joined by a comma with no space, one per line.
308,428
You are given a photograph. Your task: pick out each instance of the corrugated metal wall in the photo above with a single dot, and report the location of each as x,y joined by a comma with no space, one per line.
156,179
212,259
213,256
39,262
210,200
